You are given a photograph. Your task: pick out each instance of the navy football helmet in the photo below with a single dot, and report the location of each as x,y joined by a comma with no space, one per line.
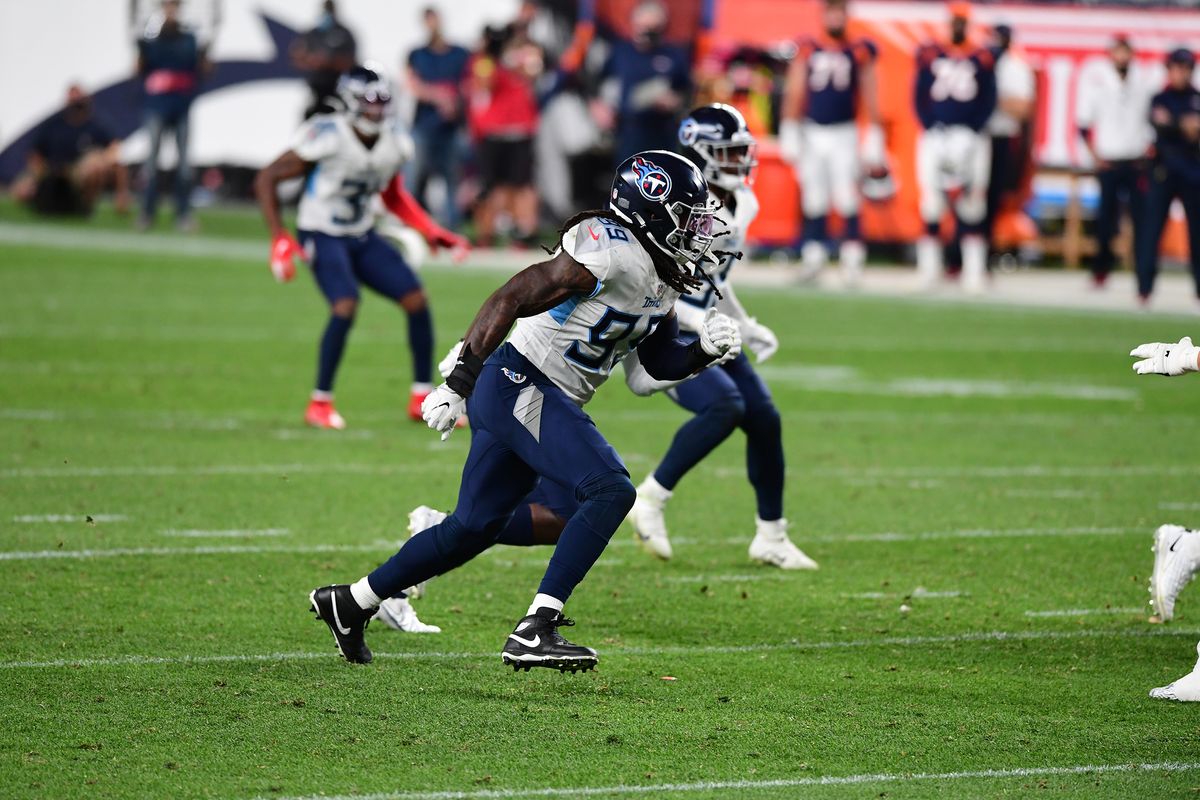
366,94
716,139
666,196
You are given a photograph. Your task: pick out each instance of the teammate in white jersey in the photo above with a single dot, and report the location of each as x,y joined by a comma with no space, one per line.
1176,549
732,395
608,290
348,158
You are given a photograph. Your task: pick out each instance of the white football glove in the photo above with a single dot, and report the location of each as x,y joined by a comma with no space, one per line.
447,364
1159,358
441,410
720,336
759,339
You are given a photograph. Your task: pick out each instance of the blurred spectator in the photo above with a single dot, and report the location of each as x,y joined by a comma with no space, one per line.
1175,172
1008,127
170,61
503,117
74,157
435,74
323,54
648,83
1112,114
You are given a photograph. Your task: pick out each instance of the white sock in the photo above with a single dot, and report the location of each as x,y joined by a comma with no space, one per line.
322,397
544,601
364,595
654,490
422,388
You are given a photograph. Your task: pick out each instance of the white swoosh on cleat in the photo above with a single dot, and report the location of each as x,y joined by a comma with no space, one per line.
534,642
337,620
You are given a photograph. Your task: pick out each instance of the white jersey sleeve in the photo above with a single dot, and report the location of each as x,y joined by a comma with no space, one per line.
317,139
579,342
737,217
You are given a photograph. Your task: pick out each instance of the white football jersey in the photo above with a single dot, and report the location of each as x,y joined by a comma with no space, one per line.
737,221
347,176
578,343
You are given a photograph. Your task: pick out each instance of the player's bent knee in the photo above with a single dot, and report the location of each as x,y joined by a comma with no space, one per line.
764,421
613,488
345,307
414,301
727,412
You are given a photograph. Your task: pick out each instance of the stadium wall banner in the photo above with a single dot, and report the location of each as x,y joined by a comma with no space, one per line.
248,107
1060,42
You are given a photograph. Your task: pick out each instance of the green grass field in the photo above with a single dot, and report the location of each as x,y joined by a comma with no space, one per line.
998,470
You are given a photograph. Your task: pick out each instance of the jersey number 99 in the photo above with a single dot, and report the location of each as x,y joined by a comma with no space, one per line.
596,355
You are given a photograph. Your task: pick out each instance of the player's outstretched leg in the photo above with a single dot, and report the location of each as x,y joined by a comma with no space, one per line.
1186,689
347,620
1176,562
718,407
765,467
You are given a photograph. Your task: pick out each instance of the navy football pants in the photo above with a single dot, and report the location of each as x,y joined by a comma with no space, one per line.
522,427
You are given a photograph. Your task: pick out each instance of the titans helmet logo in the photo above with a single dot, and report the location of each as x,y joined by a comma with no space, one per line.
653,182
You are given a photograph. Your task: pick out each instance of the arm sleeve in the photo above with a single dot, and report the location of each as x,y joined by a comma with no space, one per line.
639,381
666,357
316,139
924,83
986,104
689,317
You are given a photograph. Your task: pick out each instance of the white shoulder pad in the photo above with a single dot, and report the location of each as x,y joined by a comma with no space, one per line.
604,247
317,138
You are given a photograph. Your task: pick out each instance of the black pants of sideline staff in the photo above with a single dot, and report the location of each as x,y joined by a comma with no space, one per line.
1162,188
1122,186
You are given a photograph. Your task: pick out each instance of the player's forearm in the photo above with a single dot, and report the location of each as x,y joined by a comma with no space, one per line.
531,291
666,357
870,94
729,304
268,201
793,93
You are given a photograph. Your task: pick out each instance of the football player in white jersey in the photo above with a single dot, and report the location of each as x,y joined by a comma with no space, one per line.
731,395
1176,549
609,289
347,159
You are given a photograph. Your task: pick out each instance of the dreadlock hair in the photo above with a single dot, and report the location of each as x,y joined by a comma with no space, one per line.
668,269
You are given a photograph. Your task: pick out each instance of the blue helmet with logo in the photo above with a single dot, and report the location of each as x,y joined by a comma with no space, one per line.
716,139
366,94
666,197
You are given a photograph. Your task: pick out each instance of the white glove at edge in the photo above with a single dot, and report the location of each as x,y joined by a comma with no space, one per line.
720,336
759,339
441,410
1159,358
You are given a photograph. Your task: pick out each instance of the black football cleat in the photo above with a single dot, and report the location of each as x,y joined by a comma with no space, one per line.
336,607
536,642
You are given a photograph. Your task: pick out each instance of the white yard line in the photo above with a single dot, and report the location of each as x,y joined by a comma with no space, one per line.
1084,612
1180,506
1057,494
680,650
970,533
777,783
236,533
55,518
170,470
233,549
916,594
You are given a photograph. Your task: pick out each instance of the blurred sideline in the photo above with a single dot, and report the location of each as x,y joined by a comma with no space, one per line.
1068,289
